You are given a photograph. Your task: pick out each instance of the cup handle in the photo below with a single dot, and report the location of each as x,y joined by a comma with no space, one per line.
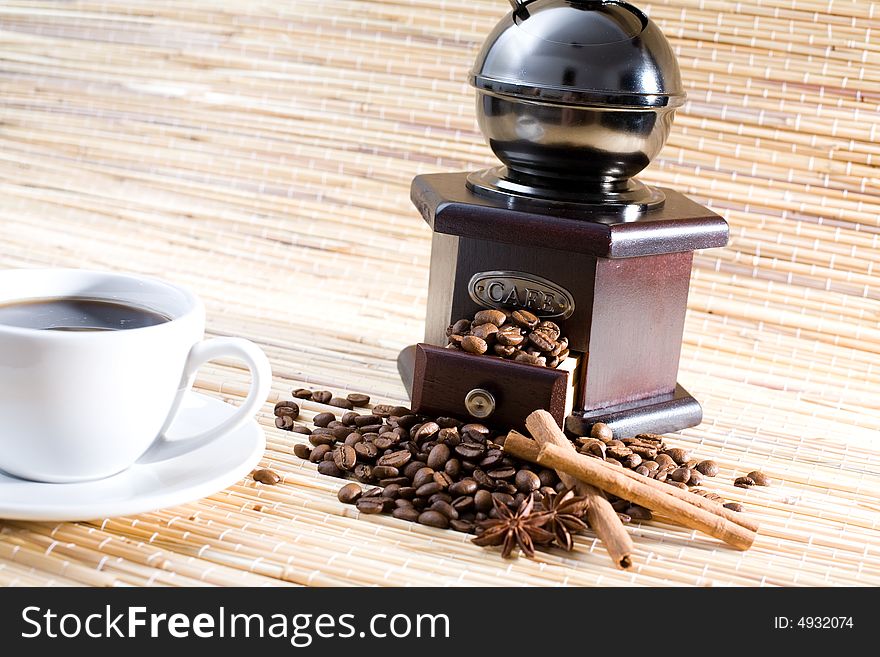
201,353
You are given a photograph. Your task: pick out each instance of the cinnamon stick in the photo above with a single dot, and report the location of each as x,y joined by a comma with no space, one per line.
607,478
602,518
543,423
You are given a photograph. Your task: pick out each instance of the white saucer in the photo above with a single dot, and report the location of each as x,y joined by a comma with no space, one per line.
147,487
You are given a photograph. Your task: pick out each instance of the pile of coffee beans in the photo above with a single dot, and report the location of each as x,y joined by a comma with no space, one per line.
439,472
649,455
517,335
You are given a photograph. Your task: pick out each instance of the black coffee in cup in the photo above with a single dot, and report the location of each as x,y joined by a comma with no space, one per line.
77,314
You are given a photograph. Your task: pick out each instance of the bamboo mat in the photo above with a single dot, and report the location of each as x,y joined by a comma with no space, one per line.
261,152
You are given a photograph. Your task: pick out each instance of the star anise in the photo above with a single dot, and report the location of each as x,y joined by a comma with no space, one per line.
564,513
521,529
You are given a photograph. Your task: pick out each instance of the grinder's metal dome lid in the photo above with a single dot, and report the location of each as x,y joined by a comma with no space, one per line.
580,52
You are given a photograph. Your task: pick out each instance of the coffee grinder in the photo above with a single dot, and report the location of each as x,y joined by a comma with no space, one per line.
575,98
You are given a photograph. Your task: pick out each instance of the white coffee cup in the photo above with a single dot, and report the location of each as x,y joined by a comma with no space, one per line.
76,406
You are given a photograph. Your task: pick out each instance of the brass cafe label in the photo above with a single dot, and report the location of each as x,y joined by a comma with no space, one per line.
516,289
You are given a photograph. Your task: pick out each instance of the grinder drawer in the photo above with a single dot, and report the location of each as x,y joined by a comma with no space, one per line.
452,382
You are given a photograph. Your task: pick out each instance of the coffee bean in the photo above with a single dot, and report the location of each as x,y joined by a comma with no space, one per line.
484,332
707,468
463,503
602,432
345,457
502,473
358,399
527,481
474,429
646,453
759,478
642,470
618,452
734,506
638,512
318,453
406,492
433,518
329,468
438,456
463,487
461,327
395,459
390,490
383,442
425,431
474,345
426,490
300,428
503,350
385,472
548,477
503,498
496,317
462,526
443,479
453,468
445,508
449,436
664,460
743,482
302,451
349,417
696,478
423,476
340,402
366,451
322,396
302,393
541,341
681,475
439,497
284,422
679,455
406,513
550,329
524,319
510,336
364,420
470,450
561,349
363,472
349,494
323,419
483,500
383,410
493,457
340,431
266,476
353,439
287,409
371,505
528,359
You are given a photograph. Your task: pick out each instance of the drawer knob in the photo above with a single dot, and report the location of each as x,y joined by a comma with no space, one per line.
479,403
